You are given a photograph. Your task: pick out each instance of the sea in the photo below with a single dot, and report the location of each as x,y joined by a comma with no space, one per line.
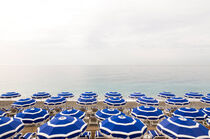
100,79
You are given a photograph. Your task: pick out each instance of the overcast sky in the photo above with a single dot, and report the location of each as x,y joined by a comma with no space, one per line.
105,32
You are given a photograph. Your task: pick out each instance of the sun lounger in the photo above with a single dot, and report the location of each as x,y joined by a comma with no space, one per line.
28,136
17,136
98,135
154,134
85,135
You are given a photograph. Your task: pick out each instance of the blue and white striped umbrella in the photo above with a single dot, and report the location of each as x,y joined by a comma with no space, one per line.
147,112
88,94
208,95
41,95
115,101
166,95
55,101
136,95
194,95
190,113
86,100
147,101
61,128
122,126
66,94
9,127
206,100
2,114
106,113
113,94
207,111
24,102
177,101
182,128
10,95
72,112
32,116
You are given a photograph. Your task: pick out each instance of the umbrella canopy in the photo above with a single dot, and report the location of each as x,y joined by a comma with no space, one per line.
106,113
10,95
55,101
136,95
72,112
207,111
166,95
32,116
147,101
122,126
190,113
206,100
88,94
66,94
2,113
113,94
9,127
61,128
86,100
147,112
115,101
208,95
41,95
194,95
182,128
177,101
24,102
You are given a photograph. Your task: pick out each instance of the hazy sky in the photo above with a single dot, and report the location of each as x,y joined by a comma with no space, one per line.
105,32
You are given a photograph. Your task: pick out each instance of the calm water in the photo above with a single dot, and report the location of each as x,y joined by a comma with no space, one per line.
126,79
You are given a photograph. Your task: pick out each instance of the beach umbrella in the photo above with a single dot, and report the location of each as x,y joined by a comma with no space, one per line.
55,101
25,102
136,95
88,94
41,95
10,95
9,127
206,100
66,94
32,116
190,113
147,101
61,128
208,95
72,112
86,100
115,101
2,113
207,111
178,101
122,126
113,94
106,113
166,95
194,95
147,113
182,128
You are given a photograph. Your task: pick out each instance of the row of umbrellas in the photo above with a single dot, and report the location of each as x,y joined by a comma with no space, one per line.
69,123
111,101
41,95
